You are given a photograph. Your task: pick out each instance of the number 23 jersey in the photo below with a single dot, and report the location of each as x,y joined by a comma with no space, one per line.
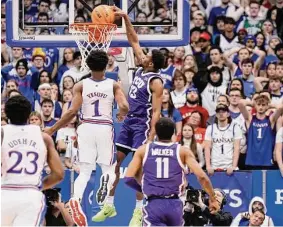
139,96
23,156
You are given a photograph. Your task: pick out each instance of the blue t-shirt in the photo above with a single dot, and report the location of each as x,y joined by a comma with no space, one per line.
176,116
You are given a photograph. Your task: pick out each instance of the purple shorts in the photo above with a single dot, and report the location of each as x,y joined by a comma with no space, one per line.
134,133
163,212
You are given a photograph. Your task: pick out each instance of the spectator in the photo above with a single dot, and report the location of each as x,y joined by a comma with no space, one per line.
229,38
38,58
17,54
75,72
260,133
35,119
10,85
189,74
168,110
47,108
260,41
13,93
215,54
190,63
178,95
167,75
188,140
247,77
193,104
210,88
222,99
112,65
44,91
256,204
51,61
253,22
67,63
57,214
202,55
179,54
68,83
195,121
235,96
44,77
222,143
25,77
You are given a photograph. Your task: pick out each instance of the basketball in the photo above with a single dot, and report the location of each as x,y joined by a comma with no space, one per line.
103,14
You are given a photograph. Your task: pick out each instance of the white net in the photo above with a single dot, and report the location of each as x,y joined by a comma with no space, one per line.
92,37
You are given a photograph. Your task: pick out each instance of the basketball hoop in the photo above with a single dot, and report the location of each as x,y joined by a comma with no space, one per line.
90,37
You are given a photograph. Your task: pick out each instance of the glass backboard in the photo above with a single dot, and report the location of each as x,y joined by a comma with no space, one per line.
34,23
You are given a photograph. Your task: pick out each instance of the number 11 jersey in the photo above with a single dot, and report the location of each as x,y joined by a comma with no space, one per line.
163,170
23,156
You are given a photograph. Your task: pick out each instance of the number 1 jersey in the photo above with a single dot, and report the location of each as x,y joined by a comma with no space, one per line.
98,99
23,156
163,171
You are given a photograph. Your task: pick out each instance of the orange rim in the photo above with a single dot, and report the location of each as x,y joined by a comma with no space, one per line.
91,25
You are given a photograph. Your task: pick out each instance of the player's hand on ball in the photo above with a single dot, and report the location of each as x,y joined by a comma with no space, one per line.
118,12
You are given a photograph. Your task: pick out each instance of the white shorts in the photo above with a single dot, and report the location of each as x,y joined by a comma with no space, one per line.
22,207
96,144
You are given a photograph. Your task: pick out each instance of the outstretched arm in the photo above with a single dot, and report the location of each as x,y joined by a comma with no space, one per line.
274,117
131,34
245,112
54,162
134,168
121,101
71,112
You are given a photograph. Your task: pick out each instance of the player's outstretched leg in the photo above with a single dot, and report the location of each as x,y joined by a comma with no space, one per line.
80,184
107,180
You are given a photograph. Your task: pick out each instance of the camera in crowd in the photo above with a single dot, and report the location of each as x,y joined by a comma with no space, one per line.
192,195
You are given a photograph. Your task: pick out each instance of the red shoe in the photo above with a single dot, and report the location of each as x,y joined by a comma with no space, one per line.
77,213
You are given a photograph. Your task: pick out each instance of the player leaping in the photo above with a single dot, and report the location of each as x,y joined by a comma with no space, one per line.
94,96
145,100
163,164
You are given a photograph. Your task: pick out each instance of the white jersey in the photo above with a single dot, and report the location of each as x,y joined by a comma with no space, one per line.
228,44
222,140
23,156
210,95
98,100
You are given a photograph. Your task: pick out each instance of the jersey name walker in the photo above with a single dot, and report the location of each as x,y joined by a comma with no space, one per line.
23,156
162,170
260,142
139,97
98,99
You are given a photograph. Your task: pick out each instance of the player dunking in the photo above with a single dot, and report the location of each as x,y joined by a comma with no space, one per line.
25,149
163,164
94,96
145,100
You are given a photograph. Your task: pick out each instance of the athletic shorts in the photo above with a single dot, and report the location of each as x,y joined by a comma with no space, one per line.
96,144
22,206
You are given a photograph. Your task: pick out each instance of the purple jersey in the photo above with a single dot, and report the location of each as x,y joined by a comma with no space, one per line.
162,170
140,95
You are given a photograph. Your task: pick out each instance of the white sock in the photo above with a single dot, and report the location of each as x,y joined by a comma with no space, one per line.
82,179
139,204
110,200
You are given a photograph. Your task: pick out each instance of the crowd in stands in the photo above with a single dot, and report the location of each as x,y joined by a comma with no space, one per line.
232,69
